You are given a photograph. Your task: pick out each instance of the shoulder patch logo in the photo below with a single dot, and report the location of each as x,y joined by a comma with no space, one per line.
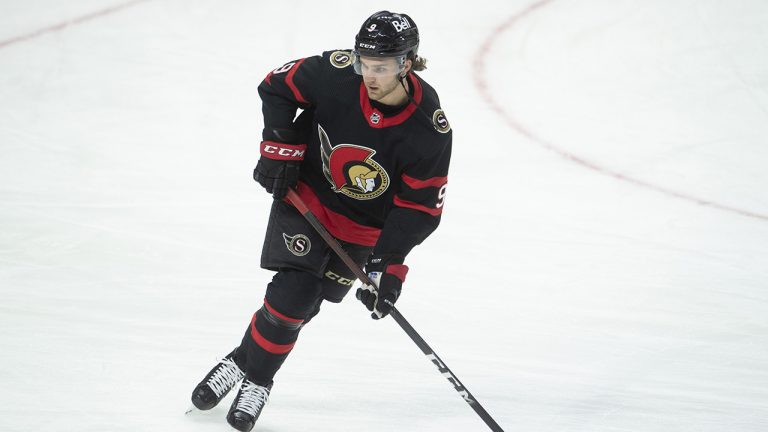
298,245
351,170
440,121
341,59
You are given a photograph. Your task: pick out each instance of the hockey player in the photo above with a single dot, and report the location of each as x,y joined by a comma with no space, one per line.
369,155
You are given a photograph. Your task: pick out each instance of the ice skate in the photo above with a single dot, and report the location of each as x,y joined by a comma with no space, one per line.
247,405
219,381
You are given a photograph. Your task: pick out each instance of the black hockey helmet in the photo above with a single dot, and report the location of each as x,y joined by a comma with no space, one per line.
388,34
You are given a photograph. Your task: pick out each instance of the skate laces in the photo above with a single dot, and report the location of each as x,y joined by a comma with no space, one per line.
252,397
226,376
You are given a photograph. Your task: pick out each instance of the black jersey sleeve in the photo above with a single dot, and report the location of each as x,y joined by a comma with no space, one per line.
418,205
288,88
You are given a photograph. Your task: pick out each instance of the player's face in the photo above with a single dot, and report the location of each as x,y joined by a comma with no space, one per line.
380,75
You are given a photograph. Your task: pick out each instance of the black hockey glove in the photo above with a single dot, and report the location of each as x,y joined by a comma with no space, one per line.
388,273
278,167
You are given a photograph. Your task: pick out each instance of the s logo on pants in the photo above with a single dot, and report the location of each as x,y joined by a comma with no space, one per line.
298,245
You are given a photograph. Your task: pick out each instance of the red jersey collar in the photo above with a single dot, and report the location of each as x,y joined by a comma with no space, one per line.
376,119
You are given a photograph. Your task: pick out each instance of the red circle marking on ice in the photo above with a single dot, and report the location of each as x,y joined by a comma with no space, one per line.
68,23
483,87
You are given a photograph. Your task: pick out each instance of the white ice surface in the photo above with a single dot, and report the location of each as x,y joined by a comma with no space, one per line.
564,298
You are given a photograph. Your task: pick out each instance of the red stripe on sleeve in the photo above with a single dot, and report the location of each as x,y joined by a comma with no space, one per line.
415,183
289,81
412,205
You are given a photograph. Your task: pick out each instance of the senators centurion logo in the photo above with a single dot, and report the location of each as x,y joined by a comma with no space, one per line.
351,169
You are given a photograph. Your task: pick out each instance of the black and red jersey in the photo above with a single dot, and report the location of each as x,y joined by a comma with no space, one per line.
373,176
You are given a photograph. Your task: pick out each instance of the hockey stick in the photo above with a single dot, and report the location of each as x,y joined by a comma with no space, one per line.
414,335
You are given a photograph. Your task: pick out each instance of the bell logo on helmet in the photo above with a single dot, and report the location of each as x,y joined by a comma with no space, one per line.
401,25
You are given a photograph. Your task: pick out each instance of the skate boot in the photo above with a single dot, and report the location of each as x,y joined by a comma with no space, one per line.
217,383
247,405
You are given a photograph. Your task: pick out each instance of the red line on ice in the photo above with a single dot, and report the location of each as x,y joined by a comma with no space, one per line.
485,91
68,23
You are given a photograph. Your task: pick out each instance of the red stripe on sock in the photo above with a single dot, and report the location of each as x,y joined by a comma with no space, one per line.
268,346
281,316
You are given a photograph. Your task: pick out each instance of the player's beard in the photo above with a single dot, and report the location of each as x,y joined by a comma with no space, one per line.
382,90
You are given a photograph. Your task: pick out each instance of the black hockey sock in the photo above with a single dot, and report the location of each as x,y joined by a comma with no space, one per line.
267,343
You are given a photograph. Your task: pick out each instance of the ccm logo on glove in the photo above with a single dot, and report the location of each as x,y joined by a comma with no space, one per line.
282,151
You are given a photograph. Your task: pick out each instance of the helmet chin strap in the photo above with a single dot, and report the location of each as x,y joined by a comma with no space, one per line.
410,99
401,78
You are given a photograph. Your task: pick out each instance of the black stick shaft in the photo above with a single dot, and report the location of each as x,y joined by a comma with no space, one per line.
404,324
